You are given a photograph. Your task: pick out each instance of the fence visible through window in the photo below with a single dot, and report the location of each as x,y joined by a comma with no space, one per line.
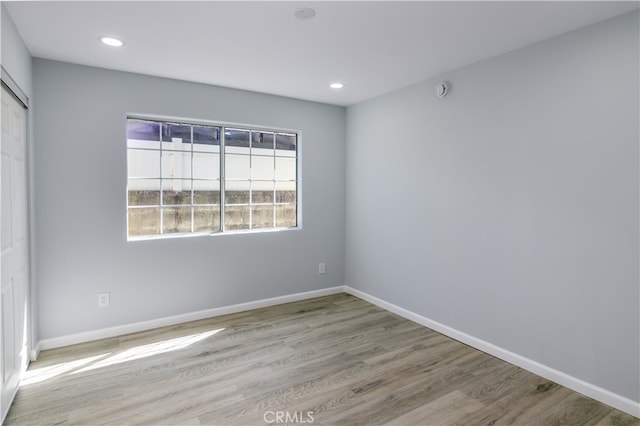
186,178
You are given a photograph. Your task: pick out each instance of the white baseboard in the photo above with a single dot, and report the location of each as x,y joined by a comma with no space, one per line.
120,330
35,352
607,397
592,391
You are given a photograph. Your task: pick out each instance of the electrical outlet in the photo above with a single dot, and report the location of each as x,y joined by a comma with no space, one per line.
103,300
321,269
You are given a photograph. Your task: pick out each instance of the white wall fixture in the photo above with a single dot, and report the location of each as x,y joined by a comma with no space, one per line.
441,90
103,300
111,41
304,13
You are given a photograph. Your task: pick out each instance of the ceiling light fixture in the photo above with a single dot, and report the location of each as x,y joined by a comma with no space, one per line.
110,41
336,85
304,13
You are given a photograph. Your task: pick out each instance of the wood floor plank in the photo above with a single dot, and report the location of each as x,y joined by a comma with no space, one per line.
523,398
617,418
339,358
575,409
446,410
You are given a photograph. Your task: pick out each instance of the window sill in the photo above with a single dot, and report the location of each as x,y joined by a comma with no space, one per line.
209,234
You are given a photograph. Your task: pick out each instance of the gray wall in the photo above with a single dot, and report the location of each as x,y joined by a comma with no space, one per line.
15,57
16,61
80,162
509,210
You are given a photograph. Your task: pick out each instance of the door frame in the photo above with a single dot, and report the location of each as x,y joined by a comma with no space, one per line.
14,89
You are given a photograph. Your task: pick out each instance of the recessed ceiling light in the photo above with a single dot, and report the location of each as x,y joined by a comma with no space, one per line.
336,85
110,41
304,13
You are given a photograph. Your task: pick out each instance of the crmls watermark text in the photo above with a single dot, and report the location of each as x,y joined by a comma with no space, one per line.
280,417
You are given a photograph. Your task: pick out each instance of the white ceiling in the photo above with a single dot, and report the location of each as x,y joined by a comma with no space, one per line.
374,47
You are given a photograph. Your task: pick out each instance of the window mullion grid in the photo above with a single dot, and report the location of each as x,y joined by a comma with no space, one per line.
161,182
273,182
222,178
193,219
254,186
251,179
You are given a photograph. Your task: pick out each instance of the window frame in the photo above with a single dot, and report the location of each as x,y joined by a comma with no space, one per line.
222,125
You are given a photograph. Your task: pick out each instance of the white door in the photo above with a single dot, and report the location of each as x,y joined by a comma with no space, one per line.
14,267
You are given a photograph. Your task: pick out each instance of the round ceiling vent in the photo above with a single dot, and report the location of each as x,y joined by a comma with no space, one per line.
304,13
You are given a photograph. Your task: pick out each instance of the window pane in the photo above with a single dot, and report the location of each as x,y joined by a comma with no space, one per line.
176,164
144,192
262,142
143,130
206,218
144,221
286,142
174,178
236,137
237,166
262,168
285,192
285,168
176,191
171,131
262,216
237,192
176,219
206,135
206,192
236,217
286,215
206,166
261,192
143,163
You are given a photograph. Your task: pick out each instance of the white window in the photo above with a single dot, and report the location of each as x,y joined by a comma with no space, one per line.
186,178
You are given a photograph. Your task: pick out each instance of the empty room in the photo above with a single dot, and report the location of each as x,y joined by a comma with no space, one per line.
325,212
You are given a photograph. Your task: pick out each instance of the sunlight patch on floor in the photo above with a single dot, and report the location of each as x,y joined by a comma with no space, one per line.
45,373
104,360
151,349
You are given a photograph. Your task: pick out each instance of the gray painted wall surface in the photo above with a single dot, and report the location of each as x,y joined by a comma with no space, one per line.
15,57
80,162
16,60
509,210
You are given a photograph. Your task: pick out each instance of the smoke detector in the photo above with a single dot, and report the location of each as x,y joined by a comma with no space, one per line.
304,13
441,90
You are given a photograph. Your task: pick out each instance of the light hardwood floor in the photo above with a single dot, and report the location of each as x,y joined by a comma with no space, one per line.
331,360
